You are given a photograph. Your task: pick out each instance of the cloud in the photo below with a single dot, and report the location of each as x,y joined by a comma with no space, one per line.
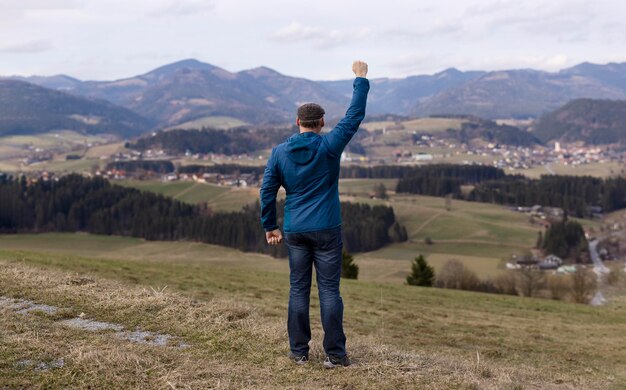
548,62
28,5
448,28
563,21
13,12
408,63
490,8
27,47
318,37
183,8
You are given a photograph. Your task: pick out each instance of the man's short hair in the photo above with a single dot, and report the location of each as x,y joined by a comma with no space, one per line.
310,115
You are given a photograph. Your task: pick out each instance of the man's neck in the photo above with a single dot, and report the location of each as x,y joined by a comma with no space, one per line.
306,130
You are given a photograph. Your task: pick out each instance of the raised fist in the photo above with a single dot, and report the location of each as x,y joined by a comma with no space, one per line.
359,68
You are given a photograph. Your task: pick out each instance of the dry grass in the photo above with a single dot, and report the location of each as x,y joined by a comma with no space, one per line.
234,344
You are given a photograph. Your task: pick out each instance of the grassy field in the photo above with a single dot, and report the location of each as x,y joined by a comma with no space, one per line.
54,139
219,198
105,150
12,147
595,169
427,125
215,122
480,235
364,187
230,308
61,165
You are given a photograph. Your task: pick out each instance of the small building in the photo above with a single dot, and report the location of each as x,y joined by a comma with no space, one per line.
551,262
423,157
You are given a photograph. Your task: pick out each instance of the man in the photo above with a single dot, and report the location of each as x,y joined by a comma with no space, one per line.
307,166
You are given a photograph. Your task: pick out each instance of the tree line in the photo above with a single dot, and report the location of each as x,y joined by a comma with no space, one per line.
578,195
464,173
75,203
240,140
574,194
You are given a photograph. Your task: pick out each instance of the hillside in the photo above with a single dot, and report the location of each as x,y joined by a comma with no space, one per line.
490,131
398,96
518,94
30,109
190,90
228,310
593,122
193,91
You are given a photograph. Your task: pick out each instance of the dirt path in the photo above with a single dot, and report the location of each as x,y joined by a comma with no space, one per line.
426,223
185,191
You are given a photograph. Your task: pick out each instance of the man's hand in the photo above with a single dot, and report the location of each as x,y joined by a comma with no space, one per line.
359,68
274,237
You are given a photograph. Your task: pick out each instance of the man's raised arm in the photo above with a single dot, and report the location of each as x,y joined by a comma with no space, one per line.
339,137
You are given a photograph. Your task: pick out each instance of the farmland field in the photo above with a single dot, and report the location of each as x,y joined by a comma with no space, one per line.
214,122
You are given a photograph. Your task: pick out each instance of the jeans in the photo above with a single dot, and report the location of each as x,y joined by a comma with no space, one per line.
323,250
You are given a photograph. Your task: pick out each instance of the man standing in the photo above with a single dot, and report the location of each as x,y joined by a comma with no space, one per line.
307,166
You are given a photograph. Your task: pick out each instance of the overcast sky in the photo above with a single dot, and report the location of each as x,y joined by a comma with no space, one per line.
111,39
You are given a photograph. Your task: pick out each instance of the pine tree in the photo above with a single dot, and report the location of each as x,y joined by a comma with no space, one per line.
539,243
422,274
349,270
380,191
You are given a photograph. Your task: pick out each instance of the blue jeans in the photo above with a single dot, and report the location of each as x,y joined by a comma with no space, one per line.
323,250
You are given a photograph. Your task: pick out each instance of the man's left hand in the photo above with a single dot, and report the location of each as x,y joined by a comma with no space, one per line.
274,237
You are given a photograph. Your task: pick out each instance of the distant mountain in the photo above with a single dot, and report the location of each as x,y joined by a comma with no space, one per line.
519,93
612,74
26,108
399,96
60,82
190,90
592,121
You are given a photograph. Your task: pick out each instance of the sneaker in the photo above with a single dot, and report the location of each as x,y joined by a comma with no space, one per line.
298,359
334,361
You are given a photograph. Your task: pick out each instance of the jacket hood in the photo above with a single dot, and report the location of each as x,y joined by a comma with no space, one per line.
301,148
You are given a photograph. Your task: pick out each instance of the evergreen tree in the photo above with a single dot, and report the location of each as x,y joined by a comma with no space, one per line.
349,270
422,274
565,239
380,191
539,243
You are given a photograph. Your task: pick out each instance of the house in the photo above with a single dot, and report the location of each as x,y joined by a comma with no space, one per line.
529,262
421,156
551,262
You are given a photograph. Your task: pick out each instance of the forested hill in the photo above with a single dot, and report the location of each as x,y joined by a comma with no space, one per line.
240,140
491,131
29,109
594,122
578,195
74,203
234,141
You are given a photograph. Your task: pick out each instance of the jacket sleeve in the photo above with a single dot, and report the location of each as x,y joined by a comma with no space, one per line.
339,137
269,189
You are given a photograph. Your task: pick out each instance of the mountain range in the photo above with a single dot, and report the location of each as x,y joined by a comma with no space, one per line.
190,90
27,108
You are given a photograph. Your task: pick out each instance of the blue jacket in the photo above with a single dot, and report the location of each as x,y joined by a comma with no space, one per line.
307,166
